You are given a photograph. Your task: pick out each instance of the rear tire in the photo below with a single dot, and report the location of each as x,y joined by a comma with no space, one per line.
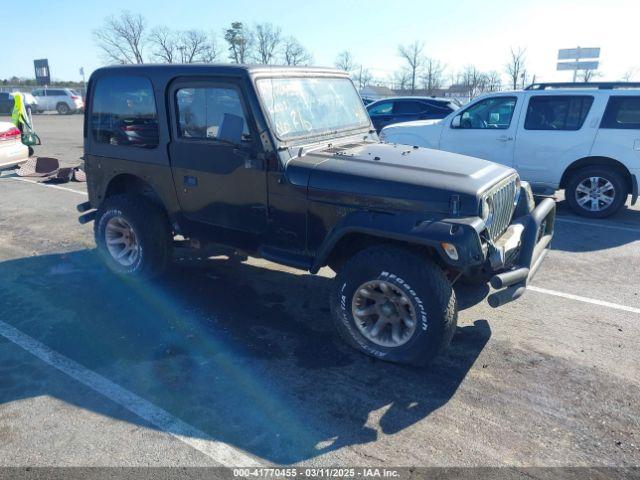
596,192
63,109
136,223
391,286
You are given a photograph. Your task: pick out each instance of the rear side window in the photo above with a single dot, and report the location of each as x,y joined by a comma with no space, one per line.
383,108
408,107
56,93
124,112
622,112
551,112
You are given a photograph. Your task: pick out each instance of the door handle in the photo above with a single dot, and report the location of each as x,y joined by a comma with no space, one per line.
504,138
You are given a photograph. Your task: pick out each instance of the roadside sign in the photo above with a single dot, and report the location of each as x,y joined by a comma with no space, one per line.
43,76
578,65
578,53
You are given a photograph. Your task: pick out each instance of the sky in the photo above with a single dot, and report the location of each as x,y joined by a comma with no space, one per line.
457,33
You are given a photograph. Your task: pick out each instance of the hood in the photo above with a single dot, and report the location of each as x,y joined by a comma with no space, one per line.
389,176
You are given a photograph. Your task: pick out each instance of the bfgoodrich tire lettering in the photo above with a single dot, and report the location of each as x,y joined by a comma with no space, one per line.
412,277
150,227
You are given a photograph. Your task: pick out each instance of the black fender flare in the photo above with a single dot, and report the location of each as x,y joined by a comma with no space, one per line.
412,228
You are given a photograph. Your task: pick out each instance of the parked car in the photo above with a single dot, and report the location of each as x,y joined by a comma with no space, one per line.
583,138
281,163
62,100
6,103
12,151
389,111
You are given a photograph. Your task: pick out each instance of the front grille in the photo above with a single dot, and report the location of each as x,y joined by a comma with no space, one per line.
501,199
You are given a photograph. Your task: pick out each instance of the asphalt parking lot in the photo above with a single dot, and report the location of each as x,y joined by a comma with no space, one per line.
231,363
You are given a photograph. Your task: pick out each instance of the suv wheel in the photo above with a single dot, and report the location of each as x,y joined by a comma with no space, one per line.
596,192
395,305
62,108
132,234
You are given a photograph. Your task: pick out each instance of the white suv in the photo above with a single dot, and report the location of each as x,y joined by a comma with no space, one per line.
62,100
583,138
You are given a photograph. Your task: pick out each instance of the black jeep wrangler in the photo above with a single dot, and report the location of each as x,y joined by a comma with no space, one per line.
284,164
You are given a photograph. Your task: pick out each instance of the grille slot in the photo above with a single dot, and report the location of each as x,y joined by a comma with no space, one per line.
502,204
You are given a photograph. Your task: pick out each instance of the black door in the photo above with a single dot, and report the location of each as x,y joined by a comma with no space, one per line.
214,156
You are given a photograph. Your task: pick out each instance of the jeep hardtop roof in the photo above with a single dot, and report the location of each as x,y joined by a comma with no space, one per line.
180,69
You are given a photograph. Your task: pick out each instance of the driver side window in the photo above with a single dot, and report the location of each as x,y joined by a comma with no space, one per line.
212,113
490,113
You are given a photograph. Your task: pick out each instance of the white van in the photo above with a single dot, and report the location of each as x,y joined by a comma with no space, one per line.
583,138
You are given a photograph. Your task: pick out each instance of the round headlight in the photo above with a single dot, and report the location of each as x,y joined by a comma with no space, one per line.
487,212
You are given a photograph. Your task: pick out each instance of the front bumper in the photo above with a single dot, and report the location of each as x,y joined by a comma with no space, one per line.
535,241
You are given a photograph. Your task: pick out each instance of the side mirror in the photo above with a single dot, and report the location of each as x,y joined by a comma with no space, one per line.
231,129
455,123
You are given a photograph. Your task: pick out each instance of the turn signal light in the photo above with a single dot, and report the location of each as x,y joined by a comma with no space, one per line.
450,250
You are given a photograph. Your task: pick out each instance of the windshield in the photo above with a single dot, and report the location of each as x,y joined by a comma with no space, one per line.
304,107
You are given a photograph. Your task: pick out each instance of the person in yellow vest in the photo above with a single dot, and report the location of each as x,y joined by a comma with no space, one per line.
22,120
19,115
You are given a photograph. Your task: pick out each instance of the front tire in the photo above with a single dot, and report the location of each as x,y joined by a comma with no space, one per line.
133,236
596,192
394,305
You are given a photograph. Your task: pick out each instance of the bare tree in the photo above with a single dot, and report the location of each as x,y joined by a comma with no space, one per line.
630,74
193,45
474,80
401,79
413,56
516,66
294,53
165,44
240,42
344,61
122,39
432,77
492,82
267,38
363,77
211,54
588,75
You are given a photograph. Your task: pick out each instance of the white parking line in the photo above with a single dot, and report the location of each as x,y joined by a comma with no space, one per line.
597,224
219,452
578,298
57,187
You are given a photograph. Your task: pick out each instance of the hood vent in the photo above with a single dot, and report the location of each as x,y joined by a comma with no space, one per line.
341,148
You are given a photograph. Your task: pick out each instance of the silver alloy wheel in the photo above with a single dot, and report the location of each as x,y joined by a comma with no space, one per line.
595,194
383,313
121,241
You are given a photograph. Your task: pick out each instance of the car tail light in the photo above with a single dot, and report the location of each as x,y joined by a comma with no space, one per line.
75,97
12,134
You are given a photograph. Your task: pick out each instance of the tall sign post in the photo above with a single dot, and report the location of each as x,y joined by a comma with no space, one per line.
578,59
